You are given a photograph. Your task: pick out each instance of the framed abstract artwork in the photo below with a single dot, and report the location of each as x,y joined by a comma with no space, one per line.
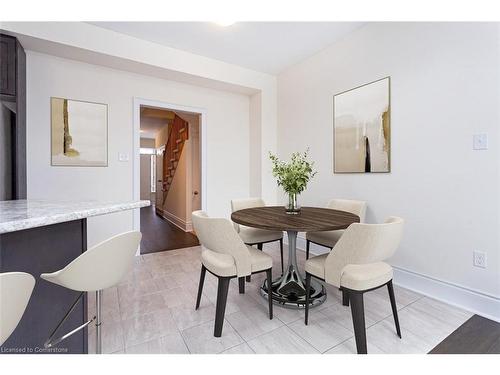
362,128
79,133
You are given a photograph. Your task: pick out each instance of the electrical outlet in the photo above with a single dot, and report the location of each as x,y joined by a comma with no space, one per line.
479,259
480,142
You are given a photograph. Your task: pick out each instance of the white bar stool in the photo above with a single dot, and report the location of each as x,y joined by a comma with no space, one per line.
15,293
100,267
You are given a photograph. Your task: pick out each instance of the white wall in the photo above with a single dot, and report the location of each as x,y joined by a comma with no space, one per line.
145,170
227,119
256,151
145,177
445,81
88,43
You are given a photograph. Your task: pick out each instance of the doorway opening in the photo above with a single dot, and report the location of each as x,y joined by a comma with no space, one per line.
170,176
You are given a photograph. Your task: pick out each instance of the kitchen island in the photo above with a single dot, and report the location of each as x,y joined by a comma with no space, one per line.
44,236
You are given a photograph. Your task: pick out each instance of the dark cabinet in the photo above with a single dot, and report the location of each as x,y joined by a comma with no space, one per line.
12,119
8,65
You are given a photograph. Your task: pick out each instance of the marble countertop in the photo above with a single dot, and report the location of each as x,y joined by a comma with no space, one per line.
23,214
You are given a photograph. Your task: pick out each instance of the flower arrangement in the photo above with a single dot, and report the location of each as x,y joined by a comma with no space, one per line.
293,176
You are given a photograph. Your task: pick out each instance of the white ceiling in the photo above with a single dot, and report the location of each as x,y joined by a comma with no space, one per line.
268,47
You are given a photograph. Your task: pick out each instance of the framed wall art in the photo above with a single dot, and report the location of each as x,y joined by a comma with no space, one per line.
362,129
79,133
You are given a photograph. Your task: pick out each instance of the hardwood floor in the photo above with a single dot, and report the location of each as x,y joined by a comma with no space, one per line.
160,235
477,335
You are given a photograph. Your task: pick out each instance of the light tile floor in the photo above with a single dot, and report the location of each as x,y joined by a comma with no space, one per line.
152,311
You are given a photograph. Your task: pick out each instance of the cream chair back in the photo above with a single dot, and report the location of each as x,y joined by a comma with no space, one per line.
241,204
100,267
15,293
352,206
218,235
363,244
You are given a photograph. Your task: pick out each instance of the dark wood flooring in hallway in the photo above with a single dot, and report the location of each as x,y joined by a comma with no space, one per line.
160,235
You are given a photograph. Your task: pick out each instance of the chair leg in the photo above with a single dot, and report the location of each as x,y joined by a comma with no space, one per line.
259,246
98,337
281,253
220,308
308,292
345,297
269,273
248,278
308,243
394,307
200,286
358,320
241,284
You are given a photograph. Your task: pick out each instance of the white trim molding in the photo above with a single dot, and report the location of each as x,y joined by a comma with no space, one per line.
453,294
136,157
186,226
465,298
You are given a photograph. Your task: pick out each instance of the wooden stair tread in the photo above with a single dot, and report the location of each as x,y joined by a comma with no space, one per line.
173,149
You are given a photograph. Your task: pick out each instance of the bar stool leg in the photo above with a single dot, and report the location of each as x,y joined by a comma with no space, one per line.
98,302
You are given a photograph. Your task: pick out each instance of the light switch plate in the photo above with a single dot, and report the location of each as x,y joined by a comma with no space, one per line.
479,259
122,156
480,142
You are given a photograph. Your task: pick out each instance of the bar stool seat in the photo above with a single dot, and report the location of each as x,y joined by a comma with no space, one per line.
100,267
15,292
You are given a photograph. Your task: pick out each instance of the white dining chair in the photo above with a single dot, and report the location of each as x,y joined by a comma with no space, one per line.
225,256
255,236
330,238
15,292
356,266
100,267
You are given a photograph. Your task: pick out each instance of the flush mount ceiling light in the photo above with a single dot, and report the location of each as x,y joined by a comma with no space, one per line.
225,23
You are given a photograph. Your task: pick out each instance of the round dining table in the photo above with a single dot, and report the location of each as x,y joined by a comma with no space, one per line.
289,289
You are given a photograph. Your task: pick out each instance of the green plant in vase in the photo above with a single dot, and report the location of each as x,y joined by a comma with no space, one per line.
293,176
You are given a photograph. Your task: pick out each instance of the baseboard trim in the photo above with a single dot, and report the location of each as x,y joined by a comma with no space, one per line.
474,301
186,226
464,298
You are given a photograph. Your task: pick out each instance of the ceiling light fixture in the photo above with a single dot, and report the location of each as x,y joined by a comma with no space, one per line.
225,23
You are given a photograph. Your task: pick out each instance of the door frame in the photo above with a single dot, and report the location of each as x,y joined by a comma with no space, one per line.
136,139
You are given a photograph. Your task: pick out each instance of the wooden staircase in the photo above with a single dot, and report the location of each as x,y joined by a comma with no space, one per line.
178,135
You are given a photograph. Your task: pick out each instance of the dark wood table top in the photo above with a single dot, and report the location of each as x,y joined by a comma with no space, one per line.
310,219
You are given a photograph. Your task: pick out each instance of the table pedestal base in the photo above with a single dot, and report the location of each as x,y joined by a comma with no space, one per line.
289,290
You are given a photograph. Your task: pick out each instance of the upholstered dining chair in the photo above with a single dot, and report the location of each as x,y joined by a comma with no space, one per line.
225,256
330,238
15,292
255,236
356,266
